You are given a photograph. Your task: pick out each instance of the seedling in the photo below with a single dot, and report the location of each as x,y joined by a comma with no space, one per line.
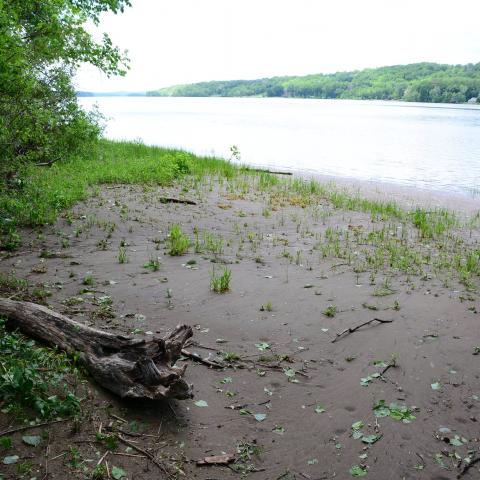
178,242
330,311
221,283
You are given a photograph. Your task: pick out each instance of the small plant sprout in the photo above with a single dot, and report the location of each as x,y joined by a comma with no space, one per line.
178,242
122,255
267,307
153,264
221,283
330,311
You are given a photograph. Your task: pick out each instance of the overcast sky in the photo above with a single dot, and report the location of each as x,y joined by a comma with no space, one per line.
184,41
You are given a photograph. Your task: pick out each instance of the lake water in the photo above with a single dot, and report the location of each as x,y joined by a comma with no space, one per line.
428,146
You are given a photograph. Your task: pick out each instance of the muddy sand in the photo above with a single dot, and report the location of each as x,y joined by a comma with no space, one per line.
291,402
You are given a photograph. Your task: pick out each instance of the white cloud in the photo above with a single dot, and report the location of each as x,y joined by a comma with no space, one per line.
183,41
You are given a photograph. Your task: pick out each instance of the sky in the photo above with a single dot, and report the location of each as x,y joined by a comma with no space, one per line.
172,42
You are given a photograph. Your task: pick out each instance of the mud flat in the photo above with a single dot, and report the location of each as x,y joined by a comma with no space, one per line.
302,392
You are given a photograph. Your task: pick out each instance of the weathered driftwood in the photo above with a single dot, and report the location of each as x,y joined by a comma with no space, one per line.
129,367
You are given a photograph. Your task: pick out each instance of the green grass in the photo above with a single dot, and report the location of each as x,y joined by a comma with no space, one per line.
177,241
221,283
45,192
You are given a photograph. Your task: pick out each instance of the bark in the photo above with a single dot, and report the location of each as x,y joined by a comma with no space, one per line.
129,367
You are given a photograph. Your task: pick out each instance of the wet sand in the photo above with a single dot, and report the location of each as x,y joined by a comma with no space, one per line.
286,305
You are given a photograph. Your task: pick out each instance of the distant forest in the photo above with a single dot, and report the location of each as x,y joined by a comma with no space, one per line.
418,82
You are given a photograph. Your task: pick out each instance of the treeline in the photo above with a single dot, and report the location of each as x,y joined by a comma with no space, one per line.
418,82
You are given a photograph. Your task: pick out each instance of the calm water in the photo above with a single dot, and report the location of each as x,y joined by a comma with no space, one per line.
423,145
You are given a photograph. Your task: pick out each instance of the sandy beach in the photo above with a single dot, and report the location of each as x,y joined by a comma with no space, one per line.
300,396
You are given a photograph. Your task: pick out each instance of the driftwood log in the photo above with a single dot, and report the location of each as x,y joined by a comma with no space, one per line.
129,367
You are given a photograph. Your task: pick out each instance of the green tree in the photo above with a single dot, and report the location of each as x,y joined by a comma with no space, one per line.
42,43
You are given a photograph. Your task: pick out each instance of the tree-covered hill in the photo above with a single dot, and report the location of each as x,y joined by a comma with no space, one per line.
417,82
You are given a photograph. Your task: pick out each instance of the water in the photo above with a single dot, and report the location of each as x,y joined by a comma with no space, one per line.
429,146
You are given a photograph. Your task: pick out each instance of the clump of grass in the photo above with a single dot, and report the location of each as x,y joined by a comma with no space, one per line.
33,378
178,242
267,307
122,255
221,283
330,311
88,280
153,264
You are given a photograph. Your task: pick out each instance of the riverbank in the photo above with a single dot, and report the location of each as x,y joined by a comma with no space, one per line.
304,391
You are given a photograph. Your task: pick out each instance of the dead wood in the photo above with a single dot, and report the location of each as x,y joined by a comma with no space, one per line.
468,466
128,367
272,172
350,330
198,358
176,200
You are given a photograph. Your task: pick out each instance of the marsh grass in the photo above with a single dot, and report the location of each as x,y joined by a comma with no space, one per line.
178,242
221,283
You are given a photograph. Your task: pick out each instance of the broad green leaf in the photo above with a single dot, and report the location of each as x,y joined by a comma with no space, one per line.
201,403
260,417
33,440
358,471
118,473
10,459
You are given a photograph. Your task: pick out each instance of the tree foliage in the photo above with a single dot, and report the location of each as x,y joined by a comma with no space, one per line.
42,43
419,82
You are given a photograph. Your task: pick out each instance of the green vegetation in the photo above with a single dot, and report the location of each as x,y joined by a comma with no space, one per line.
221,283
418,82
178,242
33,378
41,46
41,194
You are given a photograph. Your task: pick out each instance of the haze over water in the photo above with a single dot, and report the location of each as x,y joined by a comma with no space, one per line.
428,146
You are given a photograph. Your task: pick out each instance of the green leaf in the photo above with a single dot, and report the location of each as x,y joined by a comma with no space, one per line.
32,440
260,417
358,471
313,461
262,346
9,460
118,473
201,403
436,386
319,409
357,425
6,442
370,439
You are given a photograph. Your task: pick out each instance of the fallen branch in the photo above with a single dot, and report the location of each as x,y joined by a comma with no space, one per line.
198,358
273,172
28,427
128,367
350,330
468,466
176,200
147,454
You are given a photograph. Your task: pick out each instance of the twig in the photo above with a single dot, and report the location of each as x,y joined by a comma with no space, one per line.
198,358
147,454
27,427
129,455
176,200
467,467
347,331
103,457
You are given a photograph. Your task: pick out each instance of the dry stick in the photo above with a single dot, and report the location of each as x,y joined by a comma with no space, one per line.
354,329
176,200
147,454
103,458
467,467
27,427
198,358
262,170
